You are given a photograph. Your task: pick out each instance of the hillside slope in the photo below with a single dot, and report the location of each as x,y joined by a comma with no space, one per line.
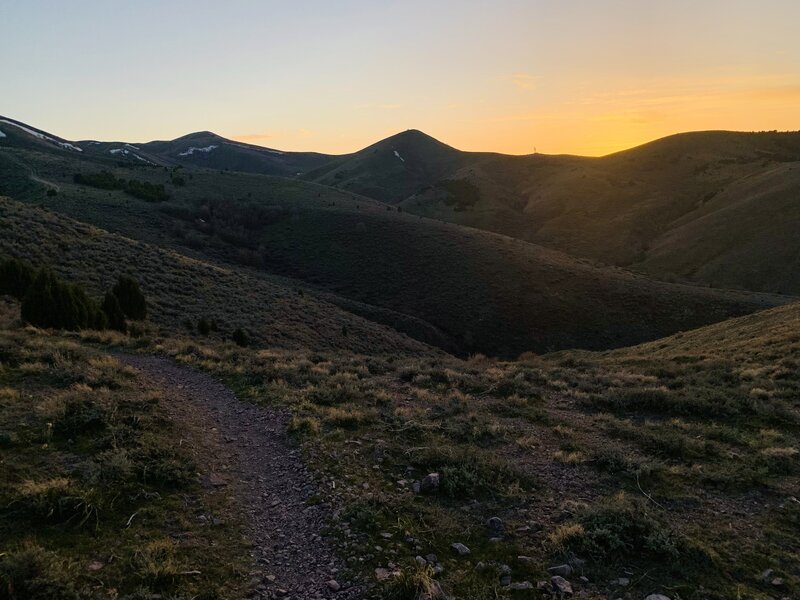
670,467
636,208
181,289
745,236
484,292
646,208
462,289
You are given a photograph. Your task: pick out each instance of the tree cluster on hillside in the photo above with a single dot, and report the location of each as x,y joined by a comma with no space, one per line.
48,301
460,193
104,180
236,222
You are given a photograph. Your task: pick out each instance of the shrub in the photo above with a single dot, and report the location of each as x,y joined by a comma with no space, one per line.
16,277
57,499
460,193
468,473
241,338
411,583
780,461
130,296
162,466
32,572
156,562
150,192
329,395
51,302
79,416
349,416
113,312
621,527
304,426
203,326
103,180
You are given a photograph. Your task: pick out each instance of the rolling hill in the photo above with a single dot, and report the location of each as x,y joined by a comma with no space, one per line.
182,289
461,289
705,207
630,208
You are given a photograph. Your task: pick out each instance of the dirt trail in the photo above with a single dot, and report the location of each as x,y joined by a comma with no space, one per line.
253,457
44,182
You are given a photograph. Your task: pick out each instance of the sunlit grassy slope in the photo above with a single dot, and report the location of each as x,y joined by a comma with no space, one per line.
672,464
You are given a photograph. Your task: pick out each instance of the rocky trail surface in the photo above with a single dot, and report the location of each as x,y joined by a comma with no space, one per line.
249,454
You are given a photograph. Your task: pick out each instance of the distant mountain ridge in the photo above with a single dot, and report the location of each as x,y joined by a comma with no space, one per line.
684,207
459,288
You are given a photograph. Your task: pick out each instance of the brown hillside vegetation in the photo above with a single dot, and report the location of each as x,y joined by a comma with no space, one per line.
745,236
647,206
182,289
462,289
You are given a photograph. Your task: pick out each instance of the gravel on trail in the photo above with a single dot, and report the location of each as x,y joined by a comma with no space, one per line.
265,473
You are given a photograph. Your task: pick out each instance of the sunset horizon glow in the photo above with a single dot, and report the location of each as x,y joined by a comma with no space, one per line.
509,76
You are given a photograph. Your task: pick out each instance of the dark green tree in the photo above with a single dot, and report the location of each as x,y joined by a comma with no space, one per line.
113,312
50,302
37,305
203,326
15,277
241,338
130,297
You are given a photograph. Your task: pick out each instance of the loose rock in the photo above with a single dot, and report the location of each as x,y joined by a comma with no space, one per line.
429,483
521,585
561,585
460,549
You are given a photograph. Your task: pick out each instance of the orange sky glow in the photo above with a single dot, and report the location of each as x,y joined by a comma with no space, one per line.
509,76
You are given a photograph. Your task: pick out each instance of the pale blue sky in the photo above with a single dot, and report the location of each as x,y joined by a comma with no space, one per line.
564,76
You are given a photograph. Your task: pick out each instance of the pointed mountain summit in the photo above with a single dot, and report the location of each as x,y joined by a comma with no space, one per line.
392,169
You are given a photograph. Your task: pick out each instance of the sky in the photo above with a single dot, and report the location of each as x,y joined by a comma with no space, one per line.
515,76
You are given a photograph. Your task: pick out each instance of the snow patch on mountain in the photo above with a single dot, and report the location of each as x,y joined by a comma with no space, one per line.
192,150
2,135
397,154
125,152
254,148
41,136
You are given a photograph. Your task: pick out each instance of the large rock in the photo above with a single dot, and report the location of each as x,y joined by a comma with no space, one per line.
495,526
521,585
561,585
460,549
657,597
430,483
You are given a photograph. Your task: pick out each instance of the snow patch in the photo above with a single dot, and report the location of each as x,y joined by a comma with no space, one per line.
41,136
125,152
192,150
397,154
254,148
2,135
132,146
